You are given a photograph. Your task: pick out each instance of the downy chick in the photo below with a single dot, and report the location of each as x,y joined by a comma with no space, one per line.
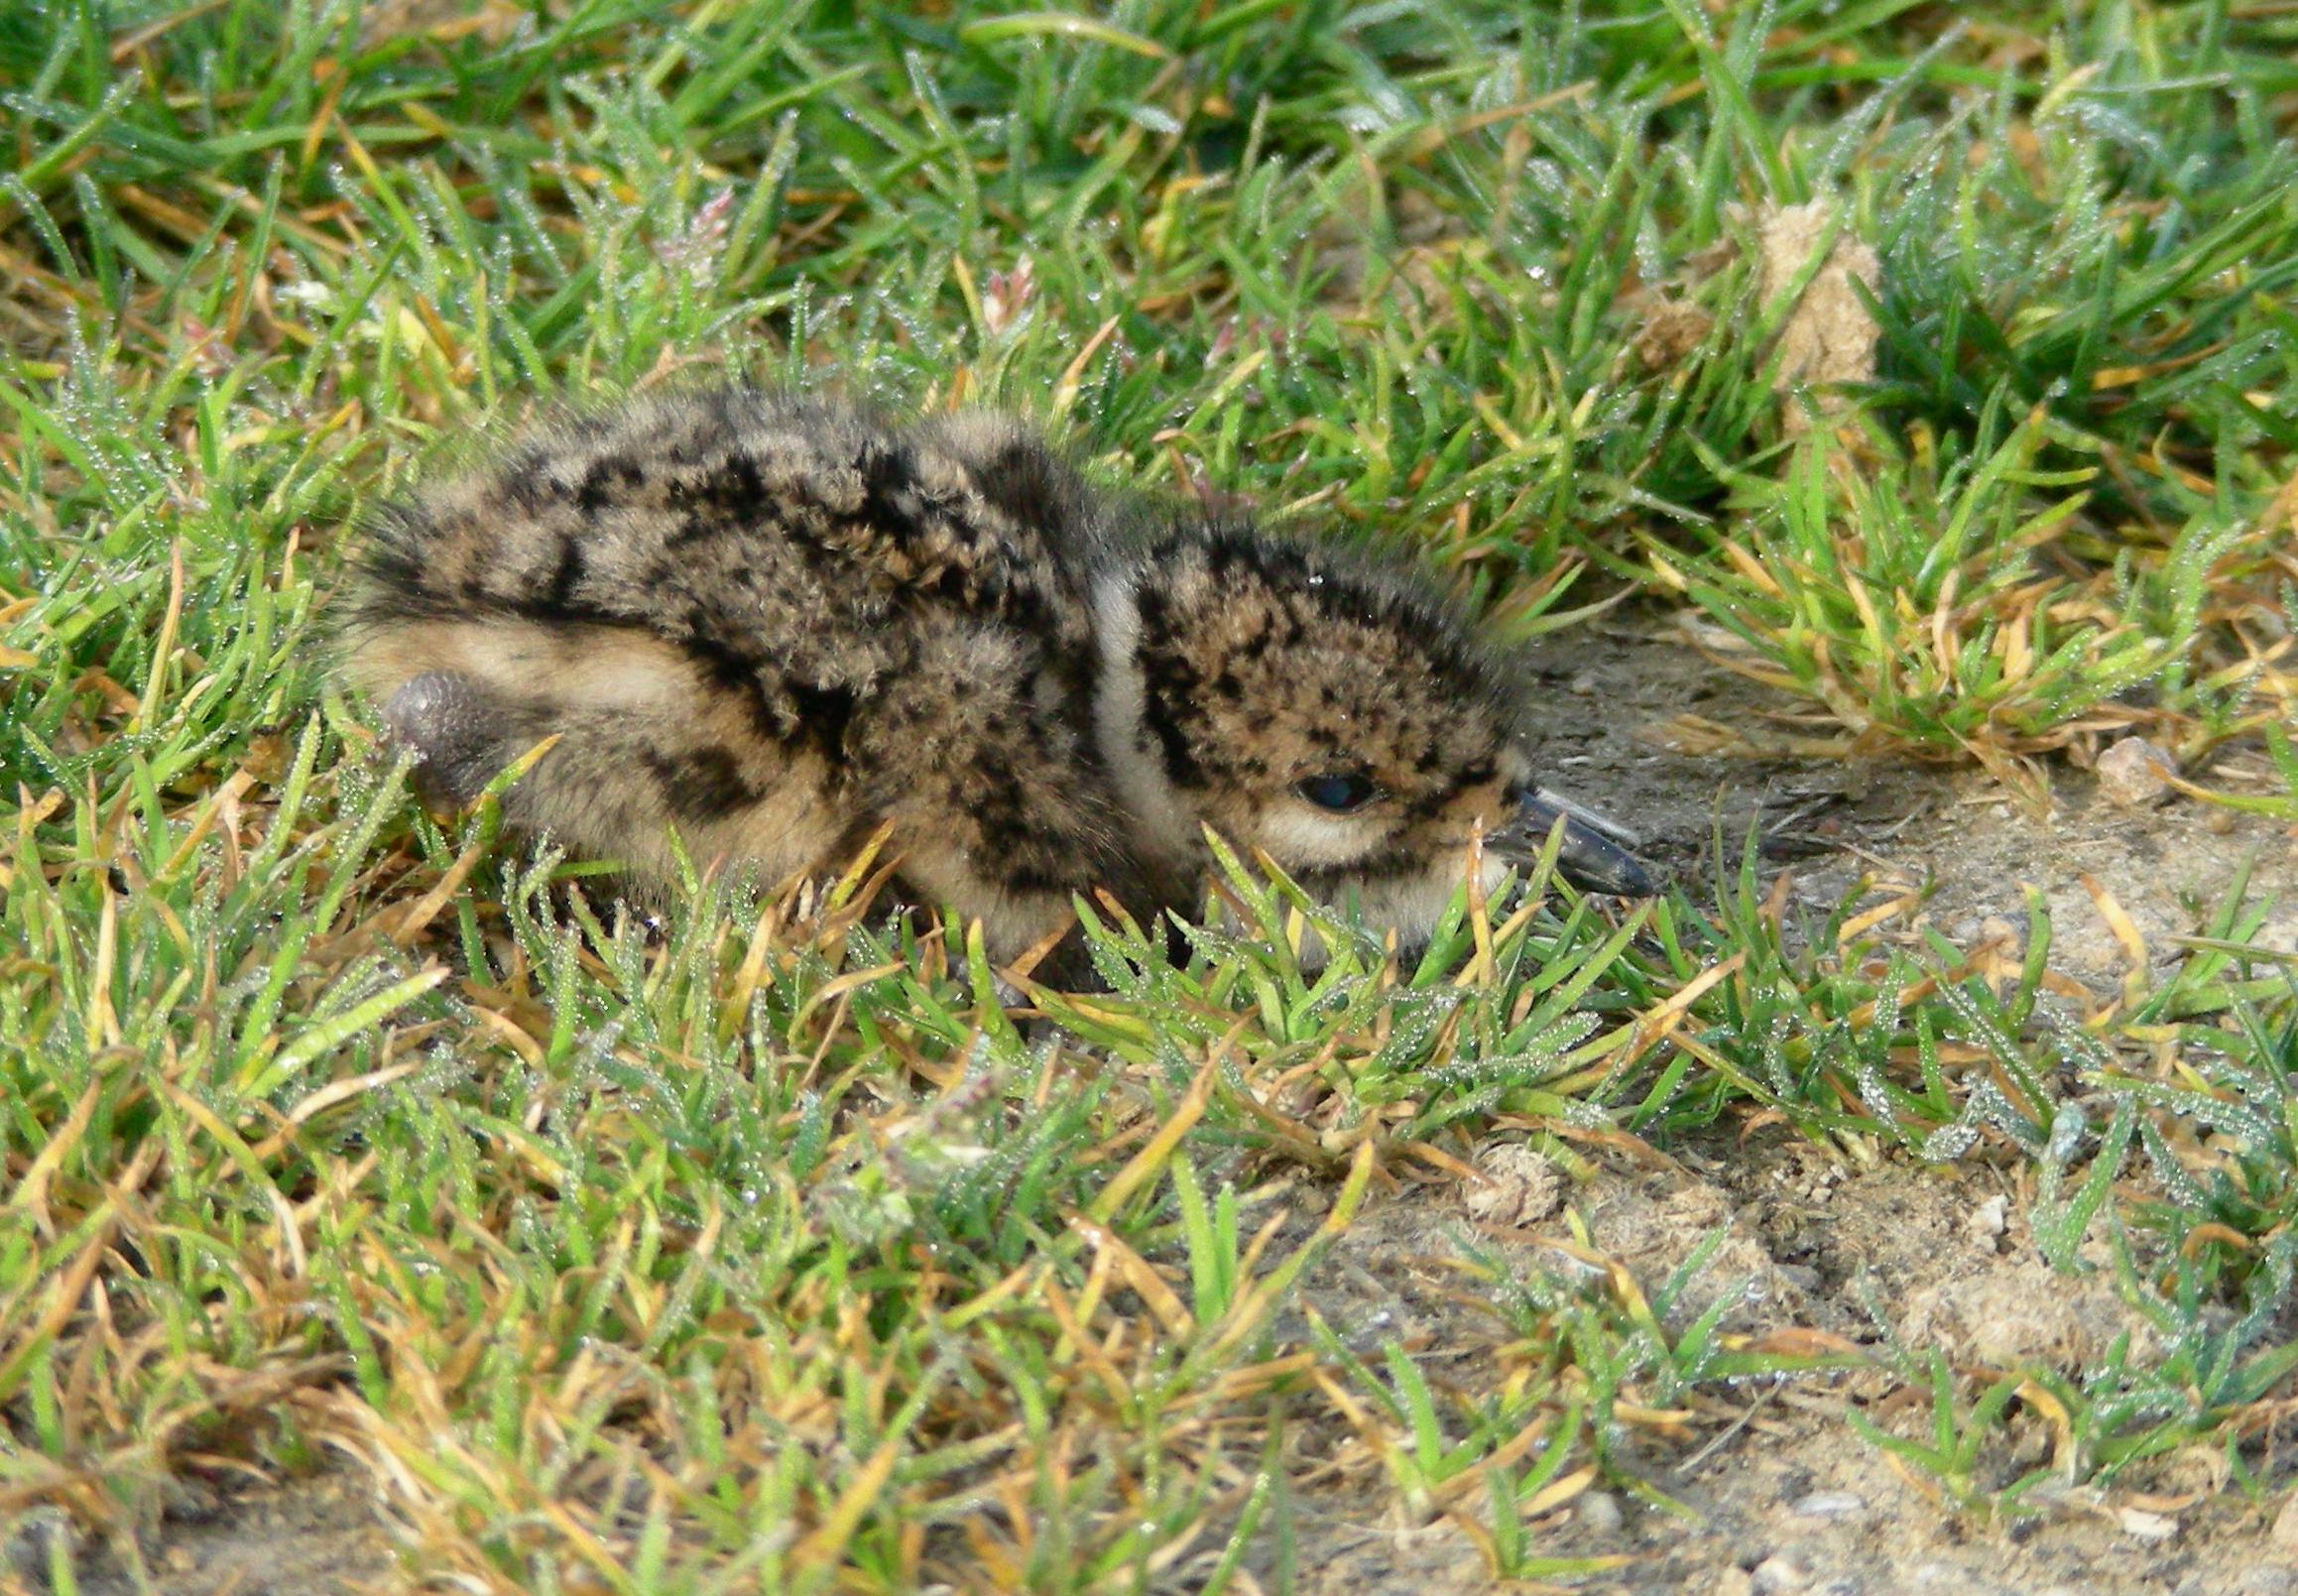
776,625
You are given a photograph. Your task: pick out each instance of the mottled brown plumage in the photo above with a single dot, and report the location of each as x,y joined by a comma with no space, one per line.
776,625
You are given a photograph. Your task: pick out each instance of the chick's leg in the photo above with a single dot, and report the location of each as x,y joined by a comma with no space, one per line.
594,790
452,726
646,741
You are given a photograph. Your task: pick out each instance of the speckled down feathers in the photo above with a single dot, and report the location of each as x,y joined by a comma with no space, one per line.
776,625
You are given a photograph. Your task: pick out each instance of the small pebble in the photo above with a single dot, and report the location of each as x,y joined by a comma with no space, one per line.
2285,1530
1831,1504
1989,1220
1599,1512
1520,1186
2131,773
1776,1575
2144,1526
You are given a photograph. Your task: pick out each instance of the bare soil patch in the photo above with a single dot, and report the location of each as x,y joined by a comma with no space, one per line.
316,1536
1791,1499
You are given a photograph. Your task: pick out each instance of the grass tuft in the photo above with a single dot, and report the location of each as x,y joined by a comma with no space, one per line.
769,1243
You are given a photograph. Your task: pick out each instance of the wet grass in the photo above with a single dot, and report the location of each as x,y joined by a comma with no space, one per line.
768,1244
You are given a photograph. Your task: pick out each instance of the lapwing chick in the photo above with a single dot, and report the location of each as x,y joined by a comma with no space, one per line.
776,626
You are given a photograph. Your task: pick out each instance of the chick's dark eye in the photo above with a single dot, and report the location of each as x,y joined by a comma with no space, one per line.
1340,793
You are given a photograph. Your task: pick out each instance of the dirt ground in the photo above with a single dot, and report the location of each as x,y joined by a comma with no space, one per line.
311,1538
1616,733
1789,1498
1786,1498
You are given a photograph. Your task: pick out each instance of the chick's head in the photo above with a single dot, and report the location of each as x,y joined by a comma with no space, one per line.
1321,707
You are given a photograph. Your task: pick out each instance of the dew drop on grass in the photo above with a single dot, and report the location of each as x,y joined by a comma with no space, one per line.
1948,1142
1583,1115
2067,1128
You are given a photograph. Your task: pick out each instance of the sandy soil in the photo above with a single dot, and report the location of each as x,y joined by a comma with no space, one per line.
1782,1496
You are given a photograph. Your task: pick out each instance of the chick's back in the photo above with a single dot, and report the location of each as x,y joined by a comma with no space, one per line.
774,623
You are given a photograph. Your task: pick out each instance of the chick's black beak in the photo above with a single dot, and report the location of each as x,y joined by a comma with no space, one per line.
1593,856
